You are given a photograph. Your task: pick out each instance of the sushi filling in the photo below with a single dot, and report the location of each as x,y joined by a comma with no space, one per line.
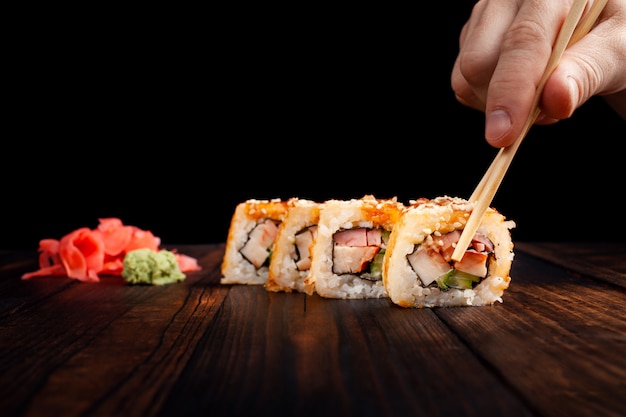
360,251
258,248
433,264
304,242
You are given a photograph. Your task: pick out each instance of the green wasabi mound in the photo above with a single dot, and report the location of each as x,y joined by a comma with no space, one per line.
145,266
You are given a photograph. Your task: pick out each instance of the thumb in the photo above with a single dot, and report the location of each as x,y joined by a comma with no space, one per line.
568,87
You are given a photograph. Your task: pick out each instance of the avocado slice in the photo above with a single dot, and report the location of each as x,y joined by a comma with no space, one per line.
376,266
457,279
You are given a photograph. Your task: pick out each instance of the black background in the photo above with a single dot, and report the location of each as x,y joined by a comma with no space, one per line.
167,119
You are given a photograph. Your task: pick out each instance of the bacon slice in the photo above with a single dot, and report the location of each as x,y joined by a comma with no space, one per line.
352,259
354,249
474,263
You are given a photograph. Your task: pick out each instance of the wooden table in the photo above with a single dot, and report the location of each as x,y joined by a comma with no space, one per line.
556,346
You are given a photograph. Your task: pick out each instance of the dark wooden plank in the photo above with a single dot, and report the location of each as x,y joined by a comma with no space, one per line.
12,260
16,293
105,348
558,339
291,354
553,348
601,260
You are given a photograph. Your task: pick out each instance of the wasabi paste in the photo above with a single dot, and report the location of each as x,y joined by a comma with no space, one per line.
146,266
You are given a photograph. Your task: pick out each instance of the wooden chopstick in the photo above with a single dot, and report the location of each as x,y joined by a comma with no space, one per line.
587,22
571,31
584,26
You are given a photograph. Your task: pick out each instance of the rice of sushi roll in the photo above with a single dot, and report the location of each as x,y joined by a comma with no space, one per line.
418,270
250,242
291,258
349,248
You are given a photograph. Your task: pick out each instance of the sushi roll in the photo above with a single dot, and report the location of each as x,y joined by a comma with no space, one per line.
291,259
418,270
250,242
349,249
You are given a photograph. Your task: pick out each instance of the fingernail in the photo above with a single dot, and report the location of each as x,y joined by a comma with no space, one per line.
498,123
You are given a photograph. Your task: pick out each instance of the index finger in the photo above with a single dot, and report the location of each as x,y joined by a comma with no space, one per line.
525,52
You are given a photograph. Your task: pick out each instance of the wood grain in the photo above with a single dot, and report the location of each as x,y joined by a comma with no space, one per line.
554,347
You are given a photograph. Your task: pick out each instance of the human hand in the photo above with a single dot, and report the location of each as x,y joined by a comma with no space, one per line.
504,49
